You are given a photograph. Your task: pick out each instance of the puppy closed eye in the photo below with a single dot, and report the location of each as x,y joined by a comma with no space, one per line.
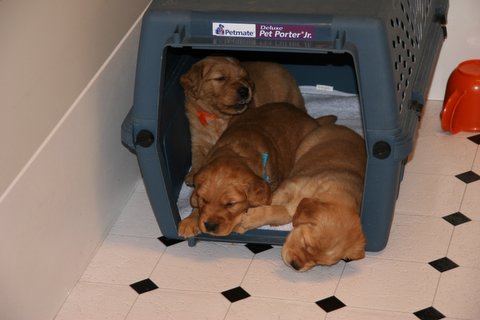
218,77
229,204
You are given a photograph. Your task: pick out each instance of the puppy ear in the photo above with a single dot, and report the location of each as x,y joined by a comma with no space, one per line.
194,199
326,120
259,192
356,252
357,239
190,80
307,211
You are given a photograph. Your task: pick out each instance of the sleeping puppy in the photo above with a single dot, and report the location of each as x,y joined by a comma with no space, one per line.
322,198
218,88
254,154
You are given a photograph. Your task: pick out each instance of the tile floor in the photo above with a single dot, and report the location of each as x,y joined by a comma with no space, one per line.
430,268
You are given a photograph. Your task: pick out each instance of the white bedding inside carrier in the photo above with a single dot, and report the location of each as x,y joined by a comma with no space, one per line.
319,101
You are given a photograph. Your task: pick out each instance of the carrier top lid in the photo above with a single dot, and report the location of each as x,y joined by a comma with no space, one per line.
371,8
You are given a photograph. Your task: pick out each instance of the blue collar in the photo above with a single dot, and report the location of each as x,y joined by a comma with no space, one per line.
264,166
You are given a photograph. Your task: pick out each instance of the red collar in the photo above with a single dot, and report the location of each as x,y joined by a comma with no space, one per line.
203,116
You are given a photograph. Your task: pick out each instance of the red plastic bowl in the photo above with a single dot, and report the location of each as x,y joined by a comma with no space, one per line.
461,106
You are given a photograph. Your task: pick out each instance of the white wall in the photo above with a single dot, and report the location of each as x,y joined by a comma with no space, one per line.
65,177
462,43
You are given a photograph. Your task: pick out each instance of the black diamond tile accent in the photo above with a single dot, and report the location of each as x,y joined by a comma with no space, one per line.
257,248
443,264
468,176
457,218
429,313
235,294
475,138
169,242
330,304
144,286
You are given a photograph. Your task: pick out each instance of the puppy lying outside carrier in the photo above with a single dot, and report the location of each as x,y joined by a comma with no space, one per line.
379,54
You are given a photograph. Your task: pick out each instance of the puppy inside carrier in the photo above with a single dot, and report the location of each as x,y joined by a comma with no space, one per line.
370,63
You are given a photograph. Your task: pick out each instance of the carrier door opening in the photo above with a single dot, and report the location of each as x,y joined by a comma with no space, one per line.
327,81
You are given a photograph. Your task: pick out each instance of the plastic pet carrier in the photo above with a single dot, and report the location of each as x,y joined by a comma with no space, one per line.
370,62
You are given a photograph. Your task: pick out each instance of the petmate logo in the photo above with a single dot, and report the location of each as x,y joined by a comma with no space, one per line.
242,30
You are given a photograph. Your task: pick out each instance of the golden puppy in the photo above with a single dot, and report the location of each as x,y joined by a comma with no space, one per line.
217,88
322,198
251,158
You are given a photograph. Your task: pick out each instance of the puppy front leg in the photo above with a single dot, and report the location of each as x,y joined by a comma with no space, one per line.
274,215
199,153
188,227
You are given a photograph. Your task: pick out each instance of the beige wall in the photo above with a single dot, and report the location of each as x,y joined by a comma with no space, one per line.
66,83
50,50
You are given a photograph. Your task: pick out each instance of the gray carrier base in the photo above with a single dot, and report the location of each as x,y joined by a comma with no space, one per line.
384,51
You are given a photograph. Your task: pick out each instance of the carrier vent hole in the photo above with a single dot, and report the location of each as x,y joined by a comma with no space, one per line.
406,34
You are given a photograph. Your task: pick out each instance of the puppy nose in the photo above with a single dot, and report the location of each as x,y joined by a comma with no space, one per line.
295,265
210,226
243,92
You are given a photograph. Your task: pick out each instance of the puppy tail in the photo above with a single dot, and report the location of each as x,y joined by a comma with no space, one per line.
326,120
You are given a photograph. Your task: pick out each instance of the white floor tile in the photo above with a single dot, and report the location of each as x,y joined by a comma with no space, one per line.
430,124
93,301
209,266
272,309
417,238
465,246
179,305
141,187
137,219
476,162
471,201
428,194
388,285
124,260
350,313
445,155
458,293
268,276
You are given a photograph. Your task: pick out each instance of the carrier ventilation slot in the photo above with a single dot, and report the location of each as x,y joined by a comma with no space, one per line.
406,36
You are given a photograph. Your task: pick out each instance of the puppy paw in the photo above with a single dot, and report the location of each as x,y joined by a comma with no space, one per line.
240,229
189,179
188,227
246,223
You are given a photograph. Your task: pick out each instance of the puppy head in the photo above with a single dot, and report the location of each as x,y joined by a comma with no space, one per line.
323,234
223,193
220,84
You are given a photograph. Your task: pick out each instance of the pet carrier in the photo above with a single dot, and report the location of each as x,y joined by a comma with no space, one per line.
379,54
